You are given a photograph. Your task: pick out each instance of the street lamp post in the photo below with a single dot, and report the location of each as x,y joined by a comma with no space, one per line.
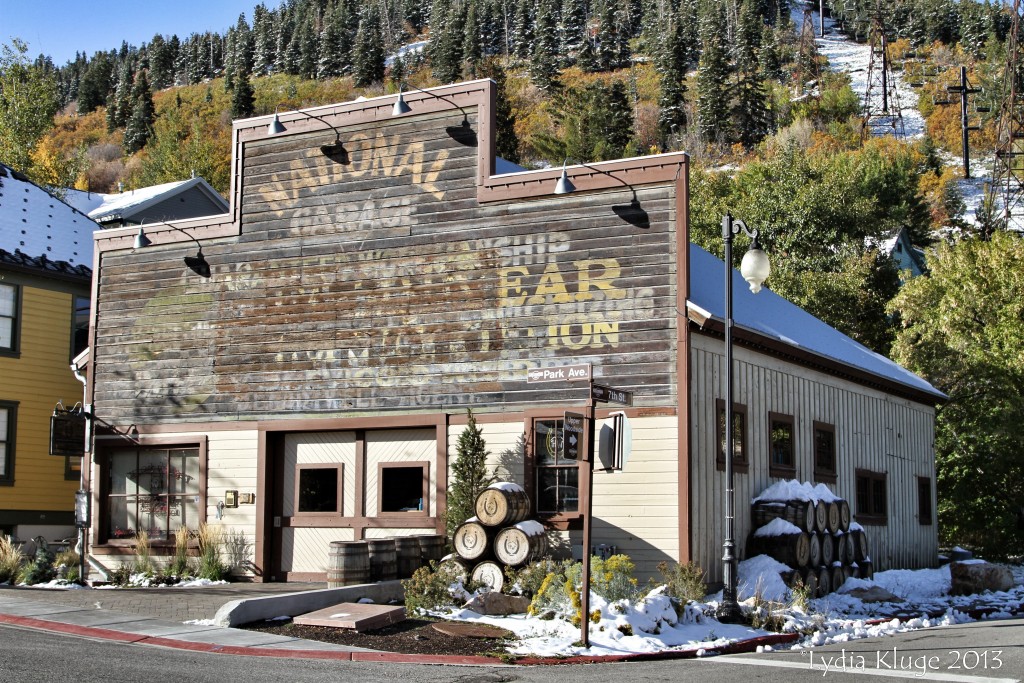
755,269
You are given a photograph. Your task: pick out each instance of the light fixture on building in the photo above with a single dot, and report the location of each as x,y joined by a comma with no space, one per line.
335,151
564,185
462,133
197,263
755,269
632,212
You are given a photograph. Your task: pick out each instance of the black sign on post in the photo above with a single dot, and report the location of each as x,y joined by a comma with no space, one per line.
600,392
572,441
67,433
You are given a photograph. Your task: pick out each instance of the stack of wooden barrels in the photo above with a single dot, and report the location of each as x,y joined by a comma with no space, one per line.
352,563
499,536
816,538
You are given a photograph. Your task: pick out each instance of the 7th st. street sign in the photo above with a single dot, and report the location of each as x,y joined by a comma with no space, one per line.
600,392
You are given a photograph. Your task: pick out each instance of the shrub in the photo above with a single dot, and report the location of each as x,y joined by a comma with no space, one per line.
613,579
143,553
11,559
40,569
66,565
429,588
180,564
122,576
800,595
683,580
560,591
210,564
528,580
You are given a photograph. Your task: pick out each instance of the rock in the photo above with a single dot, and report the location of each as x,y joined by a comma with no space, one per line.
969,578
498,604
873,594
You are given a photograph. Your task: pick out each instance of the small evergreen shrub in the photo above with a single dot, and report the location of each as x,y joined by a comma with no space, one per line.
469,476
430,588
40,569
11,559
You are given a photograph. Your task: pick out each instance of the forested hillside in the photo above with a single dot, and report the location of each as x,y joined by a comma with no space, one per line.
775,137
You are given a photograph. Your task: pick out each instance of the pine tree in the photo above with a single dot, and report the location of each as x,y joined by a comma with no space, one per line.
522,42
750,115
672,117
285,28
472,48
161,61
243,99
308,49
264,40
139,128
573,30
544,62
446,59
368,53
468,476
333,55
713,80
119,107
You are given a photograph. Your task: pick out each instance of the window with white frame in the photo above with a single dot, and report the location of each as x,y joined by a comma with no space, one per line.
155,490
8,421
9,295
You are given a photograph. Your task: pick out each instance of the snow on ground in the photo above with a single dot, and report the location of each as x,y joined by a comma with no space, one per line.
651,624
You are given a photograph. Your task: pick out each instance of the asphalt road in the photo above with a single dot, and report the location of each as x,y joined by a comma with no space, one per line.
984,652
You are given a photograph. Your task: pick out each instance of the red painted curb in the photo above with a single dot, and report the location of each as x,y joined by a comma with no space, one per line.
737,647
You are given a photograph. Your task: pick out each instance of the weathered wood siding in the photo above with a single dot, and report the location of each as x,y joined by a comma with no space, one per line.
874,431
384,284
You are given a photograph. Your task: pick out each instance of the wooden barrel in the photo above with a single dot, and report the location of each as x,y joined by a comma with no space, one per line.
860,545
809,577
849,571
502,505
828,549
824,581
472,541
431,547
820,516
814,555
844,547
490,575
522,543
790,549
800,513
844,516
383,560
865,569
833,517
348,564
456,565
837,576
407,556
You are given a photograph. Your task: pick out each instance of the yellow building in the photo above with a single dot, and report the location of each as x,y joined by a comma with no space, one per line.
45,273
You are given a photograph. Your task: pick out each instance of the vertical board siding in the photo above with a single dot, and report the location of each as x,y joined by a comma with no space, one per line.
874,431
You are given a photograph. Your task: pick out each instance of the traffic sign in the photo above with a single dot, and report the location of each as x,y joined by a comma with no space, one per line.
573,426
567,373
600,392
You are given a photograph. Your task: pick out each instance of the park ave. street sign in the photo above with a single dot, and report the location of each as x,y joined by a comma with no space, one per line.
568,373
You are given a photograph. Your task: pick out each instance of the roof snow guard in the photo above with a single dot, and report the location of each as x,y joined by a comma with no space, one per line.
23,262
39,225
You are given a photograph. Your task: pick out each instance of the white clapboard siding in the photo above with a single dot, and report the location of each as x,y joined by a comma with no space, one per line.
400,445
232,467
874,431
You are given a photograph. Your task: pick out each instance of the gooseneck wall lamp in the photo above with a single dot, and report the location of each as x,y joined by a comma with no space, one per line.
196,263
632,213
462,133
335,151
755,269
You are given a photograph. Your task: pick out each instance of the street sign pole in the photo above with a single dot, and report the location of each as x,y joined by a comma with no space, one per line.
587,486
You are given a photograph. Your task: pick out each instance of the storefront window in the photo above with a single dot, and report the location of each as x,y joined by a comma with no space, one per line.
557,475
152,489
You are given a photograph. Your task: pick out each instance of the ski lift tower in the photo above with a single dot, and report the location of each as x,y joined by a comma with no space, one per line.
882,112
1005,195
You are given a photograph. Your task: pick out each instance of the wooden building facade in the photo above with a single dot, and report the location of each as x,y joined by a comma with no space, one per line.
372,282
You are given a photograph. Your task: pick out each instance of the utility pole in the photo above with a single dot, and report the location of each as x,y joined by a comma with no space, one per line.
964,90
